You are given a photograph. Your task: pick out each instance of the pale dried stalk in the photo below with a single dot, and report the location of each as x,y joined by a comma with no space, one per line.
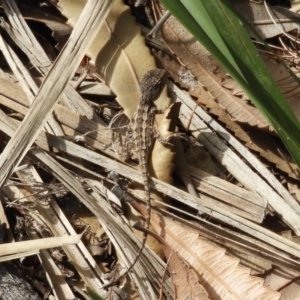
12,96
46,243
243,203
59,225
27,83
206,206
54,276
151,268
41,62
23,37
204,128
202,204
83,34
112,223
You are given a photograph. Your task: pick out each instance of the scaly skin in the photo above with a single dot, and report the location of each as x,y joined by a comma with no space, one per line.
143,122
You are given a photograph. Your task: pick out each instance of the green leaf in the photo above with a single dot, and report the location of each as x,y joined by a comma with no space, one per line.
220,28
94,295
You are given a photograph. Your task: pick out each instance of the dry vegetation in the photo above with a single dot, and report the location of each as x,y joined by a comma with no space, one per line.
226,213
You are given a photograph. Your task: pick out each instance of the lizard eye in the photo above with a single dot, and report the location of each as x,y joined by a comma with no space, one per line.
157,88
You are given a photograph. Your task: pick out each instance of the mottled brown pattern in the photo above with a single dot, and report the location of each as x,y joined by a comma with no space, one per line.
143,129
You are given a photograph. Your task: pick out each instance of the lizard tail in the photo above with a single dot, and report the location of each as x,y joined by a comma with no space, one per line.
145,234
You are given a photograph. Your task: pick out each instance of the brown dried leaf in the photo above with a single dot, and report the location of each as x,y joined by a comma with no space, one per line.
185,281
119,53
220,274
161,163
283,279
252,138
199,62
285,81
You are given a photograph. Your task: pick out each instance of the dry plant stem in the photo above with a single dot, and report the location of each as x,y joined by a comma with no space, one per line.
153,32
46,243
19,70
68,120
202,204
112,224
23,37
122,237
59,225
83,34
265,184
244,203
23,75
26,81
206,206
54,276
18,255
84,269
235,241
57,282
29,41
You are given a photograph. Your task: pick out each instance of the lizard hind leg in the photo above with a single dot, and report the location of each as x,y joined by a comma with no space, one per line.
166,141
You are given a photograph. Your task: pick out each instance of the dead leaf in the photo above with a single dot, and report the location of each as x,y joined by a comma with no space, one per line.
253,138
119,53
185,281
208,74
285,280
219,274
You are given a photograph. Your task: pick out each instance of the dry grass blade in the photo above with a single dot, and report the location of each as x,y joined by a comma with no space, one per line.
253,139
43,66
22,247
75,151
242,202
29,44
13,97
173,192
59,225
278,198
112,224
205,205
58,283
66,64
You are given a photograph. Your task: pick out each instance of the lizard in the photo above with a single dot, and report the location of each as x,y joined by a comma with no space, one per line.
151,86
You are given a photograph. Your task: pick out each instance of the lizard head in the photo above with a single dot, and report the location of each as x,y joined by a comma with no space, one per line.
152,84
